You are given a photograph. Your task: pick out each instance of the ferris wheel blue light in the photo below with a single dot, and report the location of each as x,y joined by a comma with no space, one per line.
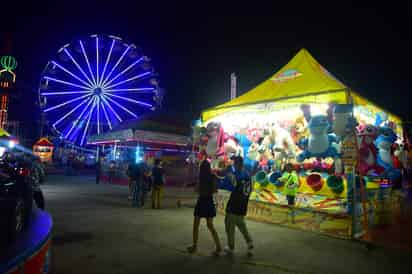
95,83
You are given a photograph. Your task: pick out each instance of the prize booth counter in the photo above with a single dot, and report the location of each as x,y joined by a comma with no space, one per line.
143,142
341,146
31,251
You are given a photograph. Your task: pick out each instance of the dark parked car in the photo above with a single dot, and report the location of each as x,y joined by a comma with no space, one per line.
16,195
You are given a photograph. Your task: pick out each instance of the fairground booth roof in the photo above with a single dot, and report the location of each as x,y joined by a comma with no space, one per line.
156,128
312,83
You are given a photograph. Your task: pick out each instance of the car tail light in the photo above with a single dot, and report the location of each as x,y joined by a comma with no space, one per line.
24,172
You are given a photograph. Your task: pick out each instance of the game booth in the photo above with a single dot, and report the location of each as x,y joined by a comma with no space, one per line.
347,151
144,140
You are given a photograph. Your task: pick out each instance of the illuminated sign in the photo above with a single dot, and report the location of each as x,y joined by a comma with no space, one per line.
8,64
287,75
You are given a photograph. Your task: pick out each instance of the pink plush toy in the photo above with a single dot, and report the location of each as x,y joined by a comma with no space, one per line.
367,150
232,148
215,143
253,135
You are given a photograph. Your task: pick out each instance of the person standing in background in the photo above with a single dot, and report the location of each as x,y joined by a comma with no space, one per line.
98,170
136,176
129,172
112,171
147,181
158,177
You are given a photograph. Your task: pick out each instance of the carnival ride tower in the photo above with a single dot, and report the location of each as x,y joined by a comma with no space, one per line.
7,81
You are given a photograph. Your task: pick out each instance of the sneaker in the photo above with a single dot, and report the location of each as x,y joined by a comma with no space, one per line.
216,253
228,251
191,249
250,249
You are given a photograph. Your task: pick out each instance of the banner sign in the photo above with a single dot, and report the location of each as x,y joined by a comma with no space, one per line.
120,135
160,137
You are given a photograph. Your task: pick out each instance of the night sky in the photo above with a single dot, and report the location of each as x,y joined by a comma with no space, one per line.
195,47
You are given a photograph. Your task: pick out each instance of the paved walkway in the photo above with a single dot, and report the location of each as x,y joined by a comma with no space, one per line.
96,231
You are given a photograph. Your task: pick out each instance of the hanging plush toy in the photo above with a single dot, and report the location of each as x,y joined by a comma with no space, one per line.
381,119
216,138
232,147
306,112
384,142
246,144
401,154
330,115
320,144
367,135
344,126
343,122
264,152
299,130
253,135
253,153
282,143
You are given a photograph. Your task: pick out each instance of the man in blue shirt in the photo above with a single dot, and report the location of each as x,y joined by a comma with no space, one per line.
236,207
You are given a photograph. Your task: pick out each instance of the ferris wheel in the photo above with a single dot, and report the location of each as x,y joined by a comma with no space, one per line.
95,83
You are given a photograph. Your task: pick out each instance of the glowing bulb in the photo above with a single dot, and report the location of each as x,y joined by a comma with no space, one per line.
12,144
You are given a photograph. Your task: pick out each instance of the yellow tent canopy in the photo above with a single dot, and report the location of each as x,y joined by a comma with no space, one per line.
302,80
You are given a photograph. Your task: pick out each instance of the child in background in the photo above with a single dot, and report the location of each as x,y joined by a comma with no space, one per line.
291,181
236,207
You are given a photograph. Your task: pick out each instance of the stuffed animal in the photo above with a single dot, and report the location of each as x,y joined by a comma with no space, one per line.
343,122
246,144
299,130
306,112
320,144
282,144
264,151
330,115
253,153
216,139
381,119
384,142
253,135
367,135
401,154
232,147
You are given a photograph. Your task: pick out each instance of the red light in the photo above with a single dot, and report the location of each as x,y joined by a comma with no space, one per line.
24,172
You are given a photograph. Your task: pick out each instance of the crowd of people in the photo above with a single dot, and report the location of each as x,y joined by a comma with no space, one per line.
143,180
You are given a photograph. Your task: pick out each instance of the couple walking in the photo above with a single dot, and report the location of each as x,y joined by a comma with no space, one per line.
142,180
236,207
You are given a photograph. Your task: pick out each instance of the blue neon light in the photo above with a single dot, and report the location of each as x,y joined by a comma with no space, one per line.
107,61
97,84
87,61
138,155
71,73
